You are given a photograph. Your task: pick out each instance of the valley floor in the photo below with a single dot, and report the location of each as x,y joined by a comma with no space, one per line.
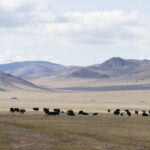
35,131
77,100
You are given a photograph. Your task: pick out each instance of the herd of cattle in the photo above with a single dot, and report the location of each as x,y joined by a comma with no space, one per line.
57,111
127,112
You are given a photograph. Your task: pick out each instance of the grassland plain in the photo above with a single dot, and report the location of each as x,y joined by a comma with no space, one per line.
77,100
35,131
104,132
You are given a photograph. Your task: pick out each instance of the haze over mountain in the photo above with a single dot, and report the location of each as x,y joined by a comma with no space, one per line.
10,82
113,68
32,69
119,67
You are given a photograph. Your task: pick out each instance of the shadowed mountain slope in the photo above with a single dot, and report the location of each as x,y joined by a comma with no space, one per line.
81,72
32,69
8,81
116,68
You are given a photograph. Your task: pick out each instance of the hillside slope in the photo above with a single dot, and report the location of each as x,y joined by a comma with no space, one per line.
32,69
10,82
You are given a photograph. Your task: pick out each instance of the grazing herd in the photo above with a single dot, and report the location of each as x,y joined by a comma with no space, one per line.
57,112
127,112
18,110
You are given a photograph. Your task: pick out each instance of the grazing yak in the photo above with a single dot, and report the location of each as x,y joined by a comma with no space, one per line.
70,113
46,110
128,112
36,109
12,110
81,112
117,112
17,109
145,114
95,114
122,114
54,113
57,110
109,110
22,111
136,112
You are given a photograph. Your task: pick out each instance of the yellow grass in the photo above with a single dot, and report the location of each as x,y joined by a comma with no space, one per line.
103,132
88,101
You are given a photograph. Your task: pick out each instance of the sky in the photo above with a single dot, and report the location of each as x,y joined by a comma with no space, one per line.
79,32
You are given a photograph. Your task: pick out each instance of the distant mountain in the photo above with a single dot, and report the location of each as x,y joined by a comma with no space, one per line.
81,72
114,68
32,69
117,67
8,81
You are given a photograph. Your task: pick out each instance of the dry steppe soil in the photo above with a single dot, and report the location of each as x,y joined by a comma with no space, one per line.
35,131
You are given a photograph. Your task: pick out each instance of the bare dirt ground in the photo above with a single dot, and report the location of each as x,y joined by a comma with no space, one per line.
104,132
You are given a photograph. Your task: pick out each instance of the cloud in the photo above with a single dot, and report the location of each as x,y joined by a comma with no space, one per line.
13,55
100,28
26,22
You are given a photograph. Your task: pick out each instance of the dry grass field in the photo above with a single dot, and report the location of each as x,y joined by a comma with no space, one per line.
35,131
88,101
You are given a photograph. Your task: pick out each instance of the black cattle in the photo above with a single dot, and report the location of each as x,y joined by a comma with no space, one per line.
109,110
144,114
46,110
12,110
22,111
117,112
70,113
136,112
129,113
17,109
95,114
122,114
127,110
53,113
36,109
57,110
81,112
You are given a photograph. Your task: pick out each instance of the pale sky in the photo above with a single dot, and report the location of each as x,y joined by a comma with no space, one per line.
79,32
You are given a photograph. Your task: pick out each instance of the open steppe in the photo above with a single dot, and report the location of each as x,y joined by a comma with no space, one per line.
35,131
85,100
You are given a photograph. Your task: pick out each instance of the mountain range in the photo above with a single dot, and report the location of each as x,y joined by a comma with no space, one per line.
112,68
9,82
19,74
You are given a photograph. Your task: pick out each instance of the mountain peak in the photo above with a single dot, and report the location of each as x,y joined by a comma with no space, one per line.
115,62
116,59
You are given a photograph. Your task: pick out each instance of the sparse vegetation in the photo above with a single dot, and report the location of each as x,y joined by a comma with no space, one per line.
103,132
